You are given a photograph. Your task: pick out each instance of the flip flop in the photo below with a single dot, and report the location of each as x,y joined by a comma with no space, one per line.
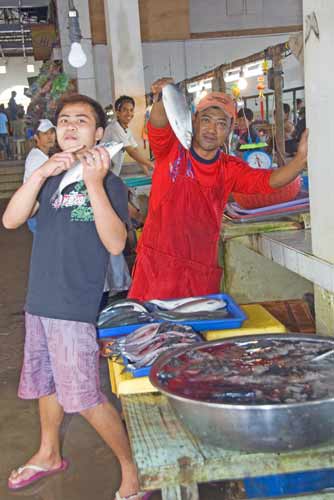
40,473
142,495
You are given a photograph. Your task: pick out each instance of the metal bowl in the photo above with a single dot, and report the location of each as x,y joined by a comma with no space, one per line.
255,428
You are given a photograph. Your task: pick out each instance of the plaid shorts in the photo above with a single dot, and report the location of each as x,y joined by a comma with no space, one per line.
61,357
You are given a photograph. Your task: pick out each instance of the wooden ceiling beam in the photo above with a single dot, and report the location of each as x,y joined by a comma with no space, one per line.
274,30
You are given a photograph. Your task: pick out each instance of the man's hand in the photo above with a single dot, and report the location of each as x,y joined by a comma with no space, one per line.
148,168
158,85
60,162
57,164
303,147
96,163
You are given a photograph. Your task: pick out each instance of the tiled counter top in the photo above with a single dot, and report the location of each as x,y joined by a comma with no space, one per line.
293,250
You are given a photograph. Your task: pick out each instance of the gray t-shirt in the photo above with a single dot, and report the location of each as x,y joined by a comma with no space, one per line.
69,262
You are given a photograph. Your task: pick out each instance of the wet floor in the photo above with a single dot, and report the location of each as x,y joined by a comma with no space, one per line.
94,472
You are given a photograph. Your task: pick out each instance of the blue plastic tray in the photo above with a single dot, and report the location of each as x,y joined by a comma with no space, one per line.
139,372
118,331
235,320
137,181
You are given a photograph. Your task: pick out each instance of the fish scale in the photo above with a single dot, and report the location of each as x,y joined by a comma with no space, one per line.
178,114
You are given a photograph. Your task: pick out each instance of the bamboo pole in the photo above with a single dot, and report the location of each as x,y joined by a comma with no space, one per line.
218,82
276,55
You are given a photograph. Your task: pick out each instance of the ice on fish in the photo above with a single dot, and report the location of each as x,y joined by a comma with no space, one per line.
178,114
75,173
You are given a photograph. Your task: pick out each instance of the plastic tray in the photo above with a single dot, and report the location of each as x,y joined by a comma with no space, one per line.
123,382
137,181
139,372
259,321
235,320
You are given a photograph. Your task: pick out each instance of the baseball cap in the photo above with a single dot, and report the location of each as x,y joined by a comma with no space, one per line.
45,125
217,100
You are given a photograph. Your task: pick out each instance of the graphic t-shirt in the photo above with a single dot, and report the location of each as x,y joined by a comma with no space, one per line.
69,262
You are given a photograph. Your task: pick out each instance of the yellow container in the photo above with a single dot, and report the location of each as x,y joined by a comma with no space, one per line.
122,382
259,321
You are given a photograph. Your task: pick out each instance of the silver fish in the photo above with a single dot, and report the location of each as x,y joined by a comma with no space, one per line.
201,305
169,305
135,304
75,173
190,316
178,114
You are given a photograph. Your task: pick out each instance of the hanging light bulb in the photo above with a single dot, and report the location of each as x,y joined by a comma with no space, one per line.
242,83
77,58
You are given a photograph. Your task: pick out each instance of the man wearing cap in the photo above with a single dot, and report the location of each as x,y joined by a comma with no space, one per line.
178,250
45,139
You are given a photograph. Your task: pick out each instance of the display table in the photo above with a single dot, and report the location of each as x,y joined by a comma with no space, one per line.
170,458
249,277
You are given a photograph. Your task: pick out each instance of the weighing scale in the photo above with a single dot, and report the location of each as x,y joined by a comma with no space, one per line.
255,156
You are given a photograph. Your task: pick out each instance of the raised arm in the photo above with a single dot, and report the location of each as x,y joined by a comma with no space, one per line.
283,175
158,117
137,155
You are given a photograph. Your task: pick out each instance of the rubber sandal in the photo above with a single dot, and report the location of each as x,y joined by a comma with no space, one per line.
143,495
40,473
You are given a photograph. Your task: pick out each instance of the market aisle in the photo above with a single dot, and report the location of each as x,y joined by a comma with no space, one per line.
94,471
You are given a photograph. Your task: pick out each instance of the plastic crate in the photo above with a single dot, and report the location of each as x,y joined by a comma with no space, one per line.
259,321
235,320
280,195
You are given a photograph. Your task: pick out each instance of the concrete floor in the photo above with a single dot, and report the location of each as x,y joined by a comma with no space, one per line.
94,471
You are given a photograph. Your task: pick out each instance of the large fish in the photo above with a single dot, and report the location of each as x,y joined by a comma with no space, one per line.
75,173
178,114
201,305
170,304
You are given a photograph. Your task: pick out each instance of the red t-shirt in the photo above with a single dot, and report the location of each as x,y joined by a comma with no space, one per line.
237,177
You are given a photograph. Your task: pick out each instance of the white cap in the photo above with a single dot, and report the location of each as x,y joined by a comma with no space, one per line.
44,125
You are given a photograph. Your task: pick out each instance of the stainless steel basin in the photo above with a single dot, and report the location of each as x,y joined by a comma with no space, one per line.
264,428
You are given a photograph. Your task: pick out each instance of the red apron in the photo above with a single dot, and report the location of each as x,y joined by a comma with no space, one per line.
177,254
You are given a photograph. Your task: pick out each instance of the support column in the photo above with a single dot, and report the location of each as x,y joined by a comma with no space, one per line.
126,60
319,99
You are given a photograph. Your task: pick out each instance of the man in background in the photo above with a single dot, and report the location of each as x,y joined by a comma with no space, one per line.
45,140
4,133
118,131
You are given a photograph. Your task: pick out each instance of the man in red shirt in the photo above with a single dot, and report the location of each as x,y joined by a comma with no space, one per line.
178,251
